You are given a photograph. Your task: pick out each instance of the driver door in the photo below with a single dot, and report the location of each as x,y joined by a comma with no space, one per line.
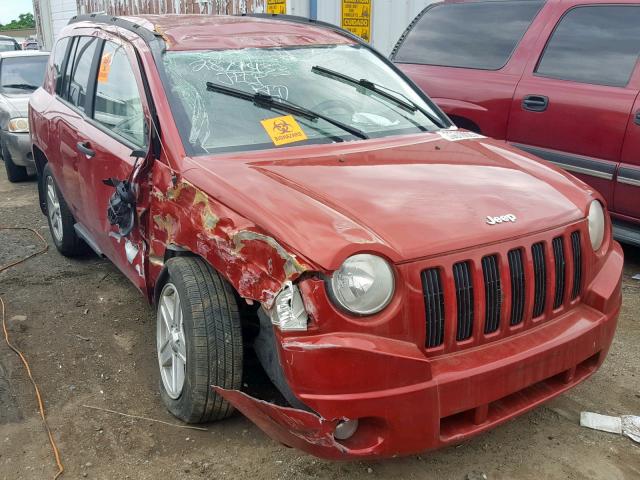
115,127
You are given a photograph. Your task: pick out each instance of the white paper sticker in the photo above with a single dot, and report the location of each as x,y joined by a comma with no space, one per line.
457,135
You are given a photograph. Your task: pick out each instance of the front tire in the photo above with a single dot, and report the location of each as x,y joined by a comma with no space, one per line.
61,221
199,341
15,173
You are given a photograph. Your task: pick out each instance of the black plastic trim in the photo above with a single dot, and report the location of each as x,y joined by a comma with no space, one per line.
626,232
154,40
629,175
90,100
573,163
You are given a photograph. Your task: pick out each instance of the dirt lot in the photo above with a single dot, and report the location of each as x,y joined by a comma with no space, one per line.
89,337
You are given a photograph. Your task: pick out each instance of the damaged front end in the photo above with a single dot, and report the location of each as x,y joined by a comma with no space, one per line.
292,427
296,425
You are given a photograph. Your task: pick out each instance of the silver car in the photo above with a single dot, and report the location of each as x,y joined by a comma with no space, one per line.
21,73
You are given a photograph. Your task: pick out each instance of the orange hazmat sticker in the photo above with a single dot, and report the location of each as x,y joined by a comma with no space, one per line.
105,68
284,130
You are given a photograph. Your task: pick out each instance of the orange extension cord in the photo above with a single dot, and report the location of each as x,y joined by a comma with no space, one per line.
43,249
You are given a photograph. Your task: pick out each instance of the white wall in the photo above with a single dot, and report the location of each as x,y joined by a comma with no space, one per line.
55,15
61,12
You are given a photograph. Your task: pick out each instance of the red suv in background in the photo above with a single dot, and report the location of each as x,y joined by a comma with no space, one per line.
559,79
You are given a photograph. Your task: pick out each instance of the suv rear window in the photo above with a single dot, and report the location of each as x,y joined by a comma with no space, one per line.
469,35
596,44
8,45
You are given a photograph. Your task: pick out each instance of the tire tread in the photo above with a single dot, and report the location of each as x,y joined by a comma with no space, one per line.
216,338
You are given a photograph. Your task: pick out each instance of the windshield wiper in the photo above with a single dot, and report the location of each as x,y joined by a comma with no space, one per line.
21,86
268,102
400,99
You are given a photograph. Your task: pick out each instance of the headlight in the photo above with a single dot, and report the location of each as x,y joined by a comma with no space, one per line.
596,224
19,125
363,285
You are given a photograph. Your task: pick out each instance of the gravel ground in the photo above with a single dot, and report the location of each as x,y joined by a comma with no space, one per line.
89,337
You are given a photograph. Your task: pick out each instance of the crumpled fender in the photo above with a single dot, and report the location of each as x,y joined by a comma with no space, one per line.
289,426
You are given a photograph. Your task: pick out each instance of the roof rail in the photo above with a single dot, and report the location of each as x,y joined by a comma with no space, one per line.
308,21
143,32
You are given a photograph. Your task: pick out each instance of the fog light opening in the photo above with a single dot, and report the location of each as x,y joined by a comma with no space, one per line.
345,429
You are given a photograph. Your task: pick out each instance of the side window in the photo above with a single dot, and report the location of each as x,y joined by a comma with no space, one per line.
118,105
470,35
66,76
595,44
80,72
58,60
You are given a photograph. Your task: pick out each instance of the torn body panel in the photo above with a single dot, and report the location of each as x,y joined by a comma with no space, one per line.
289,426
255,264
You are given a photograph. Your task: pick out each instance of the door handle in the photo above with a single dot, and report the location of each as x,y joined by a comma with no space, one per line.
535,103
85,147
637,118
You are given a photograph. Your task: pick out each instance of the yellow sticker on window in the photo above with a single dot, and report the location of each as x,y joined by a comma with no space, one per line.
284,130
105,68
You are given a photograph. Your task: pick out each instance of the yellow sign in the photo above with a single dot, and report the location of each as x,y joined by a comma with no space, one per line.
105,68
284,130
277,6
356,17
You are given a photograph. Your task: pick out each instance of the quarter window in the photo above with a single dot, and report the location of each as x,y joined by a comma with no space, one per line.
470,35
118,106
80,71
597,45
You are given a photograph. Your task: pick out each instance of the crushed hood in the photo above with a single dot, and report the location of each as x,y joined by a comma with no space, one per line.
407,198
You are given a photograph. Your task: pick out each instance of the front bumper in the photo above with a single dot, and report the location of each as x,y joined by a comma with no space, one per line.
407,402
19,147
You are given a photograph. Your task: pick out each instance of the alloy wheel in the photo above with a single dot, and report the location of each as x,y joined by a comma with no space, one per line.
171,346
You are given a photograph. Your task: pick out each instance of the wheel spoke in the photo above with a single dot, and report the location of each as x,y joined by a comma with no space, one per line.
165,313
181,353
174,372
51,193
166,356
177,312
165,344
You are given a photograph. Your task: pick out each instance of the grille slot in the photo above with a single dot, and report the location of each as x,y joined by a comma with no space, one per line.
561,271
493,293
434,303
540,279
576,248
518,292
464,300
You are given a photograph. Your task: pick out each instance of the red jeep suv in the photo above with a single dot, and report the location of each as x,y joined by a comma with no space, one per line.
559,79
274,185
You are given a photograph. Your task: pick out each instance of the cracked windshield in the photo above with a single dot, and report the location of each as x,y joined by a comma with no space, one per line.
252,99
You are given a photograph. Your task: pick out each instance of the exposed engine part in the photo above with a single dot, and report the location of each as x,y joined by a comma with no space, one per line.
288,312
